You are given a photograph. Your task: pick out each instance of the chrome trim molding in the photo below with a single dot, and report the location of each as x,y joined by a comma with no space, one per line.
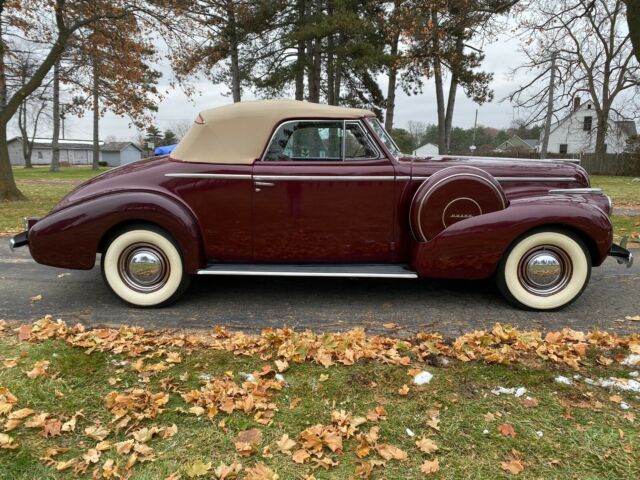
294,273
325,178
535,179
218,176
513,159
12,244
576,190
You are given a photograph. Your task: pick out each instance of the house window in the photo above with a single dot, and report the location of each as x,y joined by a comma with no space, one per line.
39,155
588,121
563,148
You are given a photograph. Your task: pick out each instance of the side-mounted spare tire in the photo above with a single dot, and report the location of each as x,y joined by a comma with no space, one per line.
451,195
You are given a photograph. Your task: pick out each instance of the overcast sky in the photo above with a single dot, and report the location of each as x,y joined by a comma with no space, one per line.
501,56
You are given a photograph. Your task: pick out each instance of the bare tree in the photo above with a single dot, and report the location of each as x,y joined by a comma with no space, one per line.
594,56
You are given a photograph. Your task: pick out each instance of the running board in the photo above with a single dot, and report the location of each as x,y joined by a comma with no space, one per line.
341,270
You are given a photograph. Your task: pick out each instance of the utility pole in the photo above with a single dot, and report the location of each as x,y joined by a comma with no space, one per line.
475,126
62,117
547,124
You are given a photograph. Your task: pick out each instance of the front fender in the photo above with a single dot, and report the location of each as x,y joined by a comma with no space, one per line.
472,248
70,238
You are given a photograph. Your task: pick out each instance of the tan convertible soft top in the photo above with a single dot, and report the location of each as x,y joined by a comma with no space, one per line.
238,133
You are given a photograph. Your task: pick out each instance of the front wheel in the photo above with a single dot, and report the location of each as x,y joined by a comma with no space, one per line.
143,267
545,270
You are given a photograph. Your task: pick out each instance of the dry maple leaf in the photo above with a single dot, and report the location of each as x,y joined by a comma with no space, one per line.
97,432
426,445
430,466
300,456
260,472
434,422
507,430
20,414
530,402
39,369
404,390
10,362
285,444
513,463
378,413
389,452
36,298
51,428
282,365
198,469
91,456
24,332
7,442
224,471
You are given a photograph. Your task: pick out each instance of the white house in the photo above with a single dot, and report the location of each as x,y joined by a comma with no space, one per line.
426,150
576,133
72,152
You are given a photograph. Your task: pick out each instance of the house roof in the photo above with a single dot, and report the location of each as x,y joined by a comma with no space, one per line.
117,146
68,144
532,142
516,142
237,133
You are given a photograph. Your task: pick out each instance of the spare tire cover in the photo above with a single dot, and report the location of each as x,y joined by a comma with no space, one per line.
452,195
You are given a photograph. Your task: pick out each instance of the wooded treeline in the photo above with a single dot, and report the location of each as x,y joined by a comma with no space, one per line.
104,55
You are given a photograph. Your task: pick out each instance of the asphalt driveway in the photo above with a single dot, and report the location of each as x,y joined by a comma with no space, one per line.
252,303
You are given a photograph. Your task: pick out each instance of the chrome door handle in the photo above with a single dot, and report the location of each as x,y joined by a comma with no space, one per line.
264,184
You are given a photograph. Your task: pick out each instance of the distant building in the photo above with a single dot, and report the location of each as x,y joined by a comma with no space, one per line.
72,152
120,153
576,133
517,143
426,150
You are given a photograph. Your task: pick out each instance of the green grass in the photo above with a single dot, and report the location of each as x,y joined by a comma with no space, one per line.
43,190
585,444
623,190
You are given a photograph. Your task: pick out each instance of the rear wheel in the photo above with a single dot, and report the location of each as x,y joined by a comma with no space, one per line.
545,270
142,266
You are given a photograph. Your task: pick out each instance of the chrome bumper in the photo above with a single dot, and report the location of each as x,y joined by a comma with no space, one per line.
20,240
621,254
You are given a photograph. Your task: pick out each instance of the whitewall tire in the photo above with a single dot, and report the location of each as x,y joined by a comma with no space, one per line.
544,270
142,265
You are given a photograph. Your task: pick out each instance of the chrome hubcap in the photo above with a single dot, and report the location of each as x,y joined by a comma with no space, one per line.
545,270
143,268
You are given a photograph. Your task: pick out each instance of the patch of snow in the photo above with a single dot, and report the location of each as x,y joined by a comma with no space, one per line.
248,376
564,380
280,377
485,432
631,360
619,384
624,406
422,378
410,433
517,392
540,433
205,377
634,374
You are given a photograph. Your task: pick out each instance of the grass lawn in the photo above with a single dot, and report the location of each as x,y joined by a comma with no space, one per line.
622,190
44,189
552,431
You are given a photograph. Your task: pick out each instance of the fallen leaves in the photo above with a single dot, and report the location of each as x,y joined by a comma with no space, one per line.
389,452
39,369
507,430
513,463
198,469
430,466
247,441
426,445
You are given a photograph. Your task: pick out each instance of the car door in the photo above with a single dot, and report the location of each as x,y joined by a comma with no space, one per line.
323,192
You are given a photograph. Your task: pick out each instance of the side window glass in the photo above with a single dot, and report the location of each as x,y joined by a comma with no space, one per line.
357,144
306,141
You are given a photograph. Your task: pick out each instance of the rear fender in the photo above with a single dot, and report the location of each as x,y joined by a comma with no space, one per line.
472,248
71,237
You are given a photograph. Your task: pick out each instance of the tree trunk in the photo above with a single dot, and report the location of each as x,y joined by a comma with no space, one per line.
314,72
55,147
451,103
8,188
301,54
24,134
96,119
337,74
547,123
601,137
437,74
331,76
235,61
391,89
633,19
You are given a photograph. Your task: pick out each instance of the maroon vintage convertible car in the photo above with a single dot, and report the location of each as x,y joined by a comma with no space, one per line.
297,189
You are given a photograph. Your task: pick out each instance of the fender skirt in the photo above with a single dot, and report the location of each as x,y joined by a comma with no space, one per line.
472,248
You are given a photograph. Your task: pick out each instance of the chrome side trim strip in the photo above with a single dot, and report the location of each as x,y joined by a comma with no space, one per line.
511,159
535,179
326,178
293,273
219,176
576,190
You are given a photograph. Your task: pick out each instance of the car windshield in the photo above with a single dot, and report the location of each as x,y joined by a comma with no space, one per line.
384,136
